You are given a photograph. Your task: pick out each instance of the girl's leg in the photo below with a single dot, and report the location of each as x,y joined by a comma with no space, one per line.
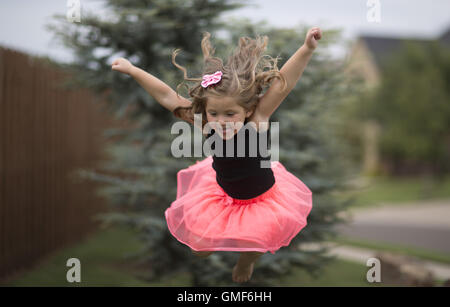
202,254
243,269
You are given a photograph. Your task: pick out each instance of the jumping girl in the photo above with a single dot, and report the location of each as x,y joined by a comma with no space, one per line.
230,203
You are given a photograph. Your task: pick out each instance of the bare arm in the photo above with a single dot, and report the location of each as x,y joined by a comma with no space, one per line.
292,70
159,90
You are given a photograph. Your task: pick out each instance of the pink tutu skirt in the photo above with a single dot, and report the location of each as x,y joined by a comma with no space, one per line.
205,218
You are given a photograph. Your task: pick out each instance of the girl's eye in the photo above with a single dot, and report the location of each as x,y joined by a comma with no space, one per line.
214,114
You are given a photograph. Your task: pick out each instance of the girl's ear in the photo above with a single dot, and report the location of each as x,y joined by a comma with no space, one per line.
249,113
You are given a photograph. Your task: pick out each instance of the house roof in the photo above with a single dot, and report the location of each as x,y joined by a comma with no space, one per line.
382,47
445,37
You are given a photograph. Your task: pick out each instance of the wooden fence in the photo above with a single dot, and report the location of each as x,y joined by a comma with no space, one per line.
45,134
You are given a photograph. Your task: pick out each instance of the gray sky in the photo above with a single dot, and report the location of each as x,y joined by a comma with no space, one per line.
22,21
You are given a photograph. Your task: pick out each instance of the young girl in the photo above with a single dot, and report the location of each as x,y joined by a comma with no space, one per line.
232,203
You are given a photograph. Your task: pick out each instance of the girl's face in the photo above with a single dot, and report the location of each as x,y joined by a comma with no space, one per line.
220,111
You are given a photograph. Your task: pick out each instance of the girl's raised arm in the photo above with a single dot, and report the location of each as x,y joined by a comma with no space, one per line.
292,71
159,90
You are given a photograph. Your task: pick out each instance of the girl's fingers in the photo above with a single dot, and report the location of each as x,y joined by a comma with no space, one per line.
317,34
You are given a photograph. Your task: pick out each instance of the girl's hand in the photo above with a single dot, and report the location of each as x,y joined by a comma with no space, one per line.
313,35
122,65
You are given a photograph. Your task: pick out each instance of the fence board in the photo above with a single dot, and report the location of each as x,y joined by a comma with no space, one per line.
46,133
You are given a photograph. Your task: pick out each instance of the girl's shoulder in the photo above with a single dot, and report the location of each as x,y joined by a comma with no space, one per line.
258,122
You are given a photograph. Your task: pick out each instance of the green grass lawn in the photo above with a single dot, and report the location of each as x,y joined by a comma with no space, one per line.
421,254
381,190
102,257
102,264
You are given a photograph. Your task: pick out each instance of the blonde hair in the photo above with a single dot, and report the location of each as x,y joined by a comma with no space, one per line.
243,76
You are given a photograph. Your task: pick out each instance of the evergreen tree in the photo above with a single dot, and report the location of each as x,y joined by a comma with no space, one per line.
146,32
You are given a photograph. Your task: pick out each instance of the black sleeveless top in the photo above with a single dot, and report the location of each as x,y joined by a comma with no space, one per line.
241,175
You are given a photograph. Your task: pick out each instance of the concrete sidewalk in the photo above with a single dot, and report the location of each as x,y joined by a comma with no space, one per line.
426,214
424,224
361,255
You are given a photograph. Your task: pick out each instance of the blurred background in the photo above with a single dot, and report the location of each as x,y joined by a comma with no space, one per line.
86,170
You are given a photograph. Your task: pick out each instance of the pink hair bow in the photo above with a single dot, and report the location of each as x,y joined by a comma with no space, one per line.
211,79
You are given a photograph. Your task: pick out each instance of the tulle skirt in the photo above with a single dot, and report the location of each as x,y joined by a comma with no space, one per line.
205,218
